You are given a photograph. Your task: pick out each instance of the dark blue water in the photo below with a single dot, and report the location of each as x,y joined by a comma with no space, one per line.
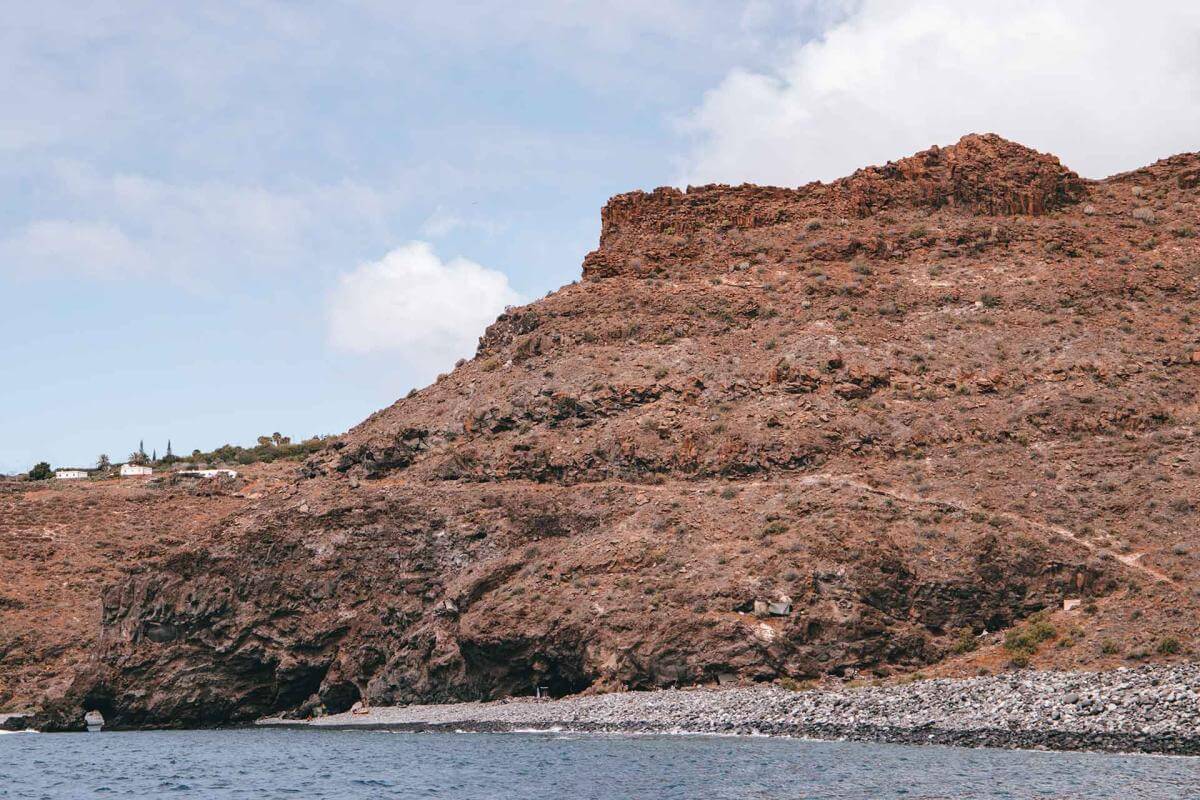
361,764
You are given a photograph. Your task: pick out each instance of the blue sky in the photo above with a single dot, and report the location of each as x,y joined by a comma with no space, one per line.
225,219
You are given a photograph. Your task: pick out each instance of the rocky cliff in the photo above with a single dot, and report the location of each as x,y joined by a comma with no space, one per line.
824,432
62,542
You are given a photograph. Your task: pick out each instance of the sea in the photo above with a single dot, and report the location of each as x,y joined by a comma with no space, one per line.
296,763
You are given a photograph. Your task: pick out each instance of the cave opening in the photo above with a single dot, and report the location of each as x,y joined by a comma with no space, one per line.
515,669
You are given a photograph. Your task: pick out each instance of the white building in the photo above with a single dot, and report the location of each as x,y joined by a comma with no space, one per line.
70,474
208,473
135,470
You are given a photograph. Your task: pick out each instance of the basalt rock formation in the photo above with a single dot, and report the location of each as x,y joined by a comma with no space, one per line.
772,434
62,542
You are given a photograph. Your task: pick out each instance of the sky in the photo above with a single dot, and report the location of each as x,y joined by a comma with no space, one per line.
225,219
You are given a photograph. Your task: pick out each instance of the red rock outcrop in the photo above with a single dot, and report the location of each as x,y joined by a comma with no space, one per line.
980,176
63,542
772,434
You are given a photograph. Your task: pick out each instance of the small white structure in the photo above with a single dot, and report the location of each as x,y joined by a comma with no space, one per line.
208,473
69,474
135,471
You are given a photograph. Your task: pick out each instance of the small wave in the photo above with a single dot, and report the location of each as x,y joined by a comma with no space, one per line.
552,729
27,730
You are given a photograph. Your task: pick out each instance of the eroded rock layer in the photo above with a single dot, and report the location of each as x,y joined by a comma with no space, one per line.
772,434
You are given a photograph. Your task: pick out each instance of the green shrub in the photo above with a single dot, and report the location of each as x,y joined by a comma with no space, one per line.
965,643
1027,639
269,448
1169,646
774,528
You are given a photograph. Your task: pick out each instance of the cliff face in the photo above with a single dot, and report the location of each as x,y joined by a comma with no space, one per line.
62,542
773,433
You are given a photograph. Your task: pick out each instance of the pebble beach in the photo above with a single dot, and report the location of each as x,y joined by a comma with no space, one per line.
1146,709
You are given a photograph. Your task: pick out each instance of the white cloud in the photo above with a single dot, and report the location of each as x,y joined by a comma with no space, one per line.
77,62
96,249
126,225
441,223
1107,86
412,301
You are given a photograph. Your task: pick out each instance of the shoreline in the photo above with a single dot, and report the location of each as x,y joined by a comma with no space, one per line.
1150,710
1037,741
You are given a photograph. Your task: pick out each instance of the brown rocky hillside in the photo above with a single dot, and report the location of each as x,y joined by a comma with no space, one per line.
831,432
62,542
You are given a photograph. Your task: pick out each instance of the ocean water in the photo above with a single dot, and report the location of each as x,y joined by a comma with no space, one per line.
254,763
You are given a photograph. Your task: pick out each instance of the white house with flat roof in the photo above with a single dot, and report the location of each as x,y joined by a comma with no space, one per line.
208,473
135,471
70,474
